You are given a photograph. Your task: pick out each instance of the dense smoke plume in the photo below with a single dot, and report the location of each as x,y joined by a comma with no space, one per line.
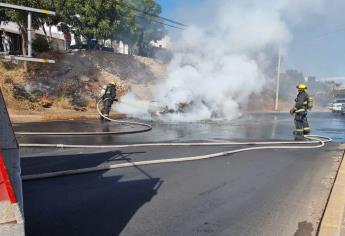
220,62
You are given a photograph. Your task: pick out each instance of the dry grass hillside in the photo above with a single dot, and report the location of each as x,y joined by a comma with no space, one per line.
74,82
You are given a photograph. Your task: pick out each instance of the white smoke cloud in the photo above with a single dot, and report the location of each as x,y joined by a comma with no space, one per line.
218,65
131,105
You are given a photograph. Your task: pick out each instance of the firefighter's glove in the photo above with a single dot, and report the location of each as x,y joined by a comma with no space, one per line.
292,111
116,100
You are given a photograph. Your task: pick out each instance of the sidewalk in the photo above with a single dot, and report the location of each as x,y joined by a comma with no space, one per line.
333,220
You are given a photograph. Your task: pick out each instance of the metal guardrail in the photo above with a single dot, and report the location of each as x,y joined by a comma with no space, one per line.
31,59
29,9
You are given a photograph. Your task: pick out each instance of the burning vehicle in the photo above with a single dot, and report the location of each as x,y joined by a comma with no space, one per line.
156,109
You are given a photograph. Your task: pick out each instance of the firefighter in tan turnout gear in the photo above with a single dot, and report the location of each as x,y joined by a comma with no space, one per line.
304,102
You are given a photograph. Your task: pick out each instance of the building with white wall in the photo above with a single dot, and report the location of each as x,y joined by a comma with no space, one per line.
163,43
57,37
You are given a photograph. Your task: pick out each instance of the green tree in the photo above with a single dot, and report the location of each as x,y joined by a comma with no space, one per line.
128,31
94,19
66,17
97,19
148,28
3,17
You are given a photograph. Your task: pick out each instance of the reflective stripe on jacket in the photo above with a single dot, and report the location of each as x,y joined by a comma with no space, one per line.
301,104
110,92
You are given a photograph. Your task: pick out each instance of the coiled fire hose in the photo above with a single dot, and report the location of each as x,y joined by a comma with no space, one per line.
312,142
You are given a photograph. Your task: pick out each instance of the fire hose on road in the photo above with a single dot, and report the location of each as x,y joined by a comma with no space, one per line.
312,142
147,128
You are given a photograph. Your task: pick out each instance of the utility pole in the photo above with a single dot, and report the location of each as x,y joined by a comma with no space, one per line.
278,80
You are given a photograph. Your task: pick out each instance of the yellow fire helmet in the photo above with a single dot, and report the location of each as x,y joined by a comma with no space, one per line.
113,82
302,87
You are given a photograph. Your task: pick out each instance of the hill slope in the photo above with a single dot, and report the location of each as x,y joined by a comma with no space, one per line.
74,82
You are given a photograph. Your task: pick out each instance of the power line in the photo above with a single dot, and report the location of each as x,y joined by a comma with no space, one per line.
318,37
171,21
160,17
162,23
153,15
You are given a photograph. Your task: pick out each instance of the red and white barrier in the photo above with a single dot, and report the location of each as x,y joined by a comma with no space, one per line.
11,199
11,219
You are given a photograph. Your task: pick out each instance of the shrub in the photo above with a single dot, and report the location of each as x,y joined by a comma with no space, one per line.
40,44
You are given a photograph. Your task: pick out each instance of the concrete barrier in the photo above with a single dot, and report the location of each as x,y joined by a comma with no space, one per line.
11,197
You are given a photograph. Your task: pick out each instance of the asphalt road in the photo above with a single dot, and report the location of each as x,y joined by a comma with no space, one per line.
275,192
252,127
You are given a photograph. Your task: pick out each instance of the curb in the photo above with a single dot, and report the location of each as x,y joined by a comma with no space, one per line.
15,118
331,223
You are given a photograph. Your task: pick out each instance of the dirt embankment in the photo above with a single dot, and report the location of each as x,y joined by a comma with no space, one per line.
71,86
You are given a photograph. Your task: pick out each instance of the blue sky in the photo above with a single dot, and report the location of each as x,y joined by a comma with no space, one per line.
169,6
316,49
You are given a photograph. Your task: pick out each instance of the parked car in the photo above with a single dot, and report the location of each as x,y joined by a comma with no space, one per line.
343,109
330,106
337,105
107,49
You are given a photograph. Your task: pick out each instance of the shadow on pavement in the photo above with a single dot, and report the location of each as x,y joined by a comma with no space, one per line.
44,164
89,204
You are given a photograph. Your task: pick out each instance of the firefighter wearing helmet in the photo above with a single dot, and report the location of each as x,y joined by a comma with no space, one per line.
303,103
108,96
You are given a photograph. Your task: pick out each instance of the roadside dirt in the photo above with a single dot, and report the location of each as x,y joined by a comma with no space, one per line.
75,81
28,117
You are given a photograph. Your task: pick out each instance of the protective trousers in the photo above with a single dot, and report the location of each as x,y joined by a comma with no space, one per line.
302,125
107,103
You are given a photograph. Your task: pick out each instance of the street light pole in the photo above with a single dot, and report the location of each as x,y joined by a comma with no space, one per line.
29,34
278,81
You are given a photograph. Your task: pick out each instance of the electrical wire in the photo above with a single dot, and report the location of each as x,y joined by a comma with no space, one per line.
162,23
152,15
